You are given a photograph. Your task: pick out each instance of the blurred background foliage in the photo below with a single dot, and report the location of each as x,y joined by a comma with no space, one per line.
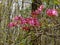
47,34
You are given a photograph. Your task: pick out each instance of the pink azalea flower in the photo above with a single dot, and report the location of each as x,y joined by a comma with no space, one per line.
49,12
33,22
41,8
23,21
36,12
27,20
12,24
16,18
37,23
52,12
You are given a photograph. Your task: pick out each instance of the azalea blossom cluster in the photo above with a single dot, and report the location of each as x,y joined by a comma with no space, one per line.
19,20
49,12
39,10
25,23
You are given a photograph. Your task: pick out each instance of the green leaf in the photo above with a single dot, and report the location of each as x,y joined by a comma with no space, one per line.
56,2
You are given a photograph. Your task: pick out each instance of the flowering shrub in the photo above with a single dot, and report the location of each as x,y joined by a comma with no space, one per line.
32,21
19,20
40,26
